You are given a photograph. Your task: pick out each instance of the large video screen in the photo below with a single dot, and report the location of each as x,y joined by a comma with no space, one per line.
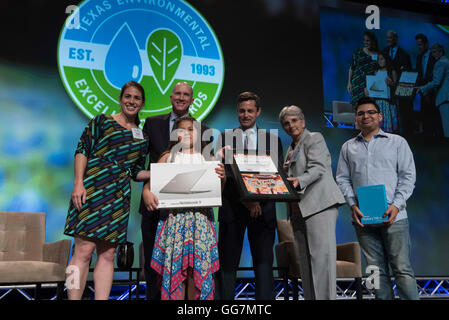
392,61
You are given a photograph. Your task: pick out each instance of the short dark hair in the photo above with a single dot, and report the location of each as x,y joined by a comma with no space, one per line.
247,95
421,36
366,100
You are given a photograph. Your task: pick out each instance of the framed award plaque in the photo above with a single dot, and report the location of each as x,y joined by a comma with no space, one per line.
259,178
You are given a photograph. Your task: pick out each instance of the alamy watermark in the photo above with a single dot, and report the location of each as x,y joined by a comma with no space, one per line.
373,280
233,142
373,20
72,280
74,22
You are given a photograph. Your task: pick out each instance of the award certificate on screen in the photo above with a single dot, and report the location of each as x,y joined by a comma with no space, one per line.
377,86
406,84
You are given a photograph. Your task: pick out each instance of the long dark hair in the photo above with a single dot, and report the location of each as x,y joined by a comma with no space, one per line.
139,87
373,39
388,63
199,140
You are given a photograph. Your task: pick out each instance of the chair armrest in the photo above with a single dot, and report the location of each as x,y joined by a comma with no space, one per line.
349,252
282,254
287,256
57,252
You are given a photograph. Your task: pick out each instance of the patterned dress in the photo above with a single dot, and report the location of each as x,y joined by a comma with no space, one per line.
113,158
362,65
186,239
389,109
390,121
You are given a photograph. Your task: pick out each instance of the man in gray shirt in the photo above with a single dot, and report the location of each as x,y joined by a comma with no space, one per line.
372,158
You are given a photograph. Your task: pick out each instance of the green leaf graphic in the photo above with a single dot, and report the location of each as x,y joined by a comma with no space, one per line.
164,51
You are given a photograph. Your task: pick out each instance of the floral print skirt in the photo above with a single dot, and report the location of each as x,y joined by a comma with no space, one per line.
186,240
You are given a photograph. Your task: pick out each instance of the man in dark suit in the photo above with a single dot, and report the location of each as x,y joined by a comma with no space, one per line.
401,62
158,129
259,218
431,119
424,61
399,57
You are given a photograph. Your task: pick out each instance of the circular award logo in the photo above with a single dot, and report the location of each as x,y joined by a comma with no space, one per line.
443,27
106,43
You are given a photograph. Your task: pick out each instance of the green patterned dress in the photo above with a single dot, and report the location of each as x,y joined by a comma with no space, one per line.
362,65
114,157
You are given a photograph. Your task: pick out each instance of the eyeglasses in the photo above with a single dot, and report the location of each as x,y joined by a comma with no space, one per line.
369,112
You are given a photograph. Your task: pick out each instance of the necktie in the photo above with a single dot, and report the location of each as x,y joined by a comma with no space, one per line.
248,142
393,52
424,63
172,123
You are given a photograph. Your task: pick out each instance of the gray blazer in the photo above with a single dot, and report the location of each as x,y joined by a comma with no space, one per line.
311,164
440,81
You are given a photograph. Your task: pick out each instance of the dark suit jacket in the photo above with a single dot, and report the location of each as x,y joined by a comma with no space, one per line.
157,128
427,77
231,199
401,61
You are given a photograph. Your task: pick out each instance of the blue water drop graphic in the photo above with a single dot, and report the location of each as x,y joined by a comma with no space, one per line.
123,62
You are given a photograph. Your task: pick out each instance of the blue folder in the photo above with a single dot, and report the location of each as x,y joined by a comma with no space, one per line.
372,203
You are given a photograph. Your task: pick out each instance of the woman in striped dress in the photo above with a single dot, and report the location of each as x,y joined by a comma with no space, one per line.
364,62
111,152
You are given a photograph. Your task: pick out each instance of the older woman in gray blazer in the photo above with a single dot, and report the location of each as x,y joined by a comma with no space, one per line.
314,218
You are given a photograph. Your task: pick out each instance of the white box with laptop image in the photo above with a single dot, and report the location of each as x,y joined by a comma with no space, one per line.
186,185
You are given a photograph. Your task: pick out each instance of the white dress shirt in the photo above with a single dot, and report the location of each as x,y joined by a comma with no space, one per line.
251,135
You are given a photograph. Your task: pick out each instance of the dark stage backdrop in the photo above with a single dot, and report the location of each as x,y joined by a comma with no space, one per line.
271,47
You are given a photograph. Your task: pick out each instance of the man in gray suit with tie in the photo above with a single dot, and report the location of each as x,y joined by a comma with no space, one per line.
314,218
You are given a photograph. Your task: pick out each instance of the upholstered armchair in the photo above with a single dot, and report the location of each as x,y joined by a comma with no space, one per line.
343,112
25,258
348,262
